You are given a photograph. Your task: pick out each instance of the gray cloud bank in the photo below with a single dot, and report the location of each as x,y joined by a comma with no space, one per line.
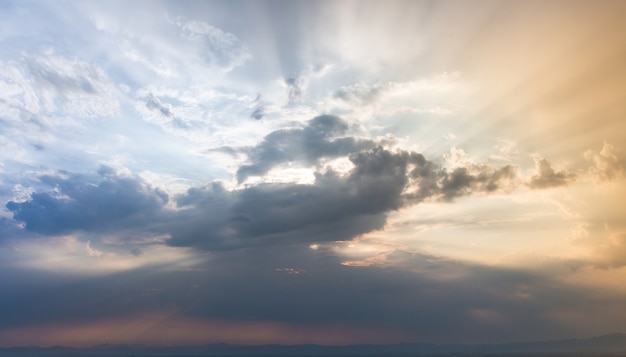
335,207
410,297
74,203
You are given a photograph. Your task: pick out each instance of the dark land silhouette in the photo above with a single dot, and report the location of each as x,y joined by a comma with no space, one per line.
607,345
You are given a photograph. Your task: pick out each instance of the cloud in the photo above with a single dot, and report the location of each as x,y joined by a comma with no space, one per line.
78,87
415,279
76,203
91,251
476,178
333,208
203,115
218,47
295,89
297,85
153,102
607,165
609,253
420,295
259,109
336,206
10,229
616,250
465,177
361,94
258,113
318,139
546,177
41,93
426,97
174,88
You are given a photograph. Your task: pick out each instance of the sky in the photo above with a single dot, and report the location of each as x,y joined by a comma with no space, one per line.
330,172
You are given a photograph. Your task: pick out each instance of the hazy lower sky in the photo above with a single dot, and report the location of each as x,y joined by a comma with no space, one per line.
187,172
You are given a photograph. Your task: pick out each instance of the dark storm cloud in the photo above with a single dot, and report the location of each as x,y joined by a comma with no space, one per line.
76,203
546,177
422,295
29,297
335,207
420,292
307,145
